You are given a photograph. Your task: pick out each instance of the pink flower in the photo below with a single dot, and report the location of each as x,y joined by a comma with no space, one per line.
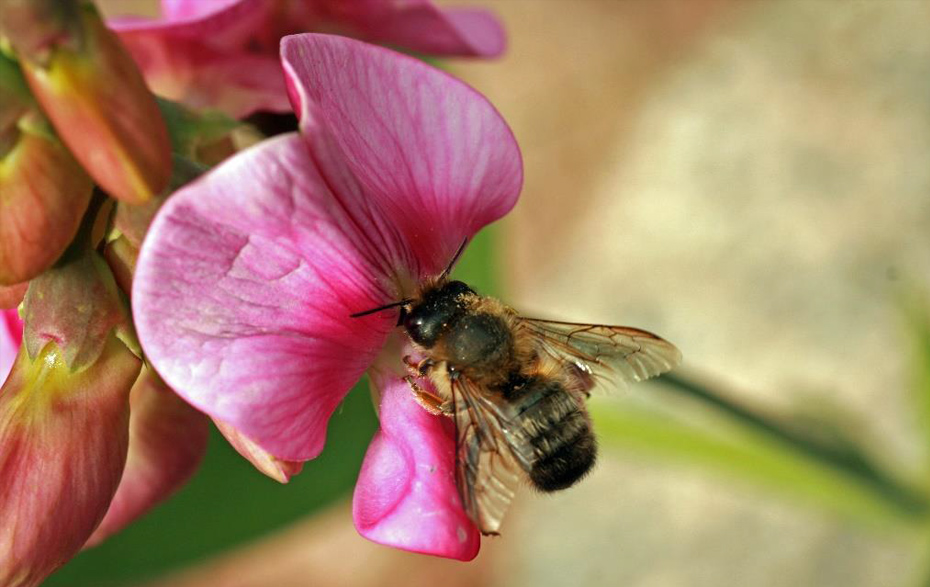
247,277
224,53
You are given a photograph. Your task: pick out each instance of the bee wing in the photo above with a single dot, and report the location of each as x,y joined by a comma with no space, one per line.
487,469
594,354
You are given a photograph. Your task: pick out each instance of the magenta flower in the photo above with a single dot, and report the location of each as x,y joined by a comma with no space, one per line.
224,53
247,277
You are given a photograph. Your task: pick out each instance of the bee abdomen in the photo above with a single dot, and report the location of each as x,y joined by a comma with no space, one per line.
559,433
566,458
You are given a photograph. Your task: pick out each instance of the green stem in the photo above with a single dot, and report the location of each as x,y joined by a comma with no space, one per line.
846,457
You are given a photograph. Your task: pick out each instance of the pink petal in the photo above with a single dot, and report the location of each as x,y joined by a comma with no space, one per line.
11,336
214,40
279,470
63,439
180,9
432,152
216,23
406,495
421,26
167,440
243,291
201,76
204,55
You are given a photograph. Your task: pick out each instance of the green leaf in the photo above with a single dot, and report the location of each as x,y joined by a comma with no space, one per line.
751,455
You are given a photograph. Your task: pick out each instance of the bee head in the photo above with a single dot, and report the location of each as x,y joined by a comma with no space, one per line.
426,319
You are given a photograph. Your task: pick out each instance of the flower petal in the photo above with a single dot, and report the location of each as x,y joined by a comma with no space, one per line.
218,54
63,439
11,337
418,25
187,70
406,495
167,441
180,9
430,152
228,24
225,41
243,291
279,470
421,26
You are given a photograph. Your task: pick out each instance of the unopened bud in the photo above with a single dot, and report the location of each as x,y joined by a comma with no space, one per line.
101,108
63,439
36,27
44,195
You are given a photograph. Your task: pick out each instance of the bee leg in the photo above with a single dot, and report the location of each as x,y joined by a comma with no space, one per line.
427,401
425,366
447,408
420,369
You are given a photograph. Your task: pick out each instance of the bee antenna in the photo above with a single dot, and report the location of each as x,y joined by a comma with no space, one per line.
458,253
379,308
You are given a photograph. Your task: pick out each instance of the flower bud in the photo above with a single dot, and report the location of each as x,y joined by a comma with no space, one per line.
44,190
63,438
167,440
45,193
121,256
75,304
64,417
100,106
35,27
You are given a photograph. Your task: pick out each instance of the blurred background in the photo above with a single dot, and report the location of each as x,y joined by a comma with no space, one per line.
747,179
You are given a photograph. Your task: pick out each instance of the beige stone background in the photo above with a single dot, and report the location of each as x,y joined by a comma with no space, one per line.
749,179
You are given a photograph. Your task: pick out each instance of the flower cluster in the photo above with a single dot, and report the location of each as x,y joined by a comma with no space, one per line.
236,283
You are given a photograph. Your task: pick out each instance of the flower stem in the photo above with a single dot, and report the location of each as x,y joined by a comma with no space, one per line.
843,455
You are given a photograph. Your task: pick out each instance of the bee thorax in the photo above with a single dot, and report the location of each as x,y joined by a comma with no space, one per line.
479,346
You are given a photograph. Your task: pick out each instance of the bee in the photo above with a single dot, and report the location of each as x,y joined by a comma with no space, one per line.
516,388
